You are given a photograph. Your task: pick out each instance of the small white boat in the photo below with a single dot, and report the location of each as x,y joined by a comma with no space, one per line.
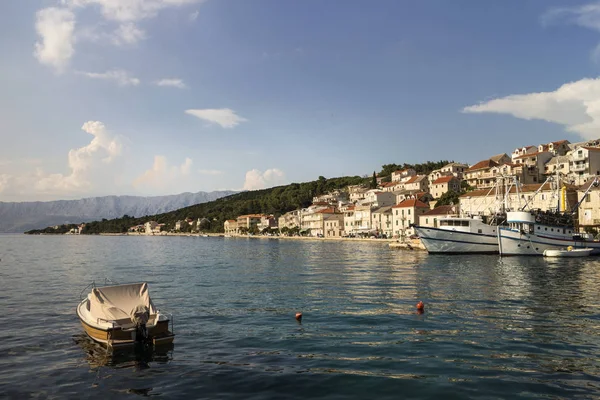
568,252
122,315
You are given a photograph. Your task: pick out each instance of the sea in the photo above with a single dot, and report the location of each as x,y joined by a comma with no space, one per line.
493,328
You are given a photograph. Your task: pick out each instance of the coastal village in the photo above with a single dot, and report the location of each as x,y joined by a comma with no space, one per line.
406,199
395,204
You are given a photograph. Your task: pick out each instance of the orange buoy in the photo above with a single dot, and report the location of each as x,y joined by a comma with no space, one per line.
420,307
298,316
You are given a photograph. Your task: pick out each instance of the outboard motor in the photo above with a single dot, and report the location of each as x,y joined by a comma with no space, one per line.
140,316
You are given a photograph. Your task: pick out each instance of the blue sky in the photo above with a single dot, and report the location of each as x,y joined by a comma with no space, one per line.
157,97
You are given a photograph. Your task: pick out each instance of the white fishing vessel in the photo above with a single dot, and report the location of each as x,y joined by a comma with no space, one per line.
459,235
530,233
471,233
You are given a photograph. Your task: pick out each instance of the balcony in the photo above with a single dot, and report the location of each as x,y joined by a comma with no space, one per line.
580,167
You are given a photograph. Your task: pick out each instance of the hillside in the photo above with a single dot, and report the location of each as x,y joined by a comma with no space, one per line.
276,201
22,216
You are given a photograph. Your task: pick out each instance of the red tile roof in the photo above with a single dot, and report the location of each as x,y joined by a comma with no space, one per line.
411,203
441,210
485,164
560,141
443,179
330,210
591,148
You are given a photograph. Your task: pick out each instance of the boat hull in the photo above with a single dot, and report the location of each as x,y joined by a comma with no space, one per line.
446,241
567,253
115,337
516,243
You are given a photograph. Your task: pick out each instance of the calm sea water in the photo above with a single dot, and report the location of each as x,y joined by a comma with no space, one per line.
493,328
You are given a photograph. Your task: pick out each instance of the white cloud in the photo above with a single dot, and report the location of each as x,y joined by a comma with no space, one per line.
194,16
257,180
224,117
122,78
129,10
161,175
127,34
210,172
587,16
576,105
88,167
55,26
171,82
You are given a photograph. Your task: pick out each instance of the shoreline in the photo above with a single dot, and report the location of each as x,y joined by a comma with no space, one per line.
413,244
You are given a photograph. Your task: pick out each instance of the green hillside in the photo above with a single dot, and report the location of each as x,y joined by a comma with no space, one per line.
276,201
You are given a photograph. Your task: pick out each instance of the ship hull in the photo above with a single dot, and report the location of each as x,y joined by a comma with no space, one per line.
443,241
516,243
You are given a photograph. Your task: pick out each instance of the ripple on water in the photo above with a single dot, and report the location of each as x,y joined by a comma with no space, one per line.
493,328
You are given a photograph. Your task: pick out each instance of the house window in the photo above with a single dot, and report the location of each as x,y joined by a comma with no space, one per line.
587,198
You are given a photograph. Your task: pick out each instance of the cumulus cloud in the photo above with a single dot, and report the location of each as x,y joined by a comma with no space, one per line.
256,179
171,82
225,117
120,77
162,175
55,26
576,105
87,165
127,34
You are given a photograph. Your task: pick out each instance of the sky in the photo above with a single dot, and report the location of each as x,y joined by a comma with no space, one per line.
155,97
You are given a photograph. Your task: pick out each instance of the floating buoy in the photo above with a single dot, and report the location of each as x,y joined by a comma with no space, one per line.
298,316
420,307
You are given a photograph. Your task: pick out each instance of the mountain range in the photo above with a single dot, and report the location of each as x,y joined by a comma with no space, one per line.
23,216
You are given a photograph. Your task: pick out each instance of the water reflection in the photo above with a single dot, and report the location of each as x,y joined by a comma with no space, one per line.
138,357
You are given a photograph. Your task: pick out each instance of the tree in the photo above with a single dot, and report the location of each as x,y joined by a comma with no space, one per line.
448,198
374,181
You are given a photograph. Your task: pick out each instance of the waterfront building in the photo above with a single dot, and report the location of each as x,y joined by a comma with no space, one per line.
248,221
333,225
231,227
381,220
314,223
267,221
405,215
289,220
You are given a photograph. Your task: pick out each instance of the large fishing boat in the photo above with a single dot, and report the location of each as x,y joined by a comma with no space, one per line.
530,233
469,233
459,235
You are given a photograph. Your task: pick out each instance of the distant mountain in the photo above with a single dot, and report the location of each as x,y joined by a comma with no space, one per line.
20,217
